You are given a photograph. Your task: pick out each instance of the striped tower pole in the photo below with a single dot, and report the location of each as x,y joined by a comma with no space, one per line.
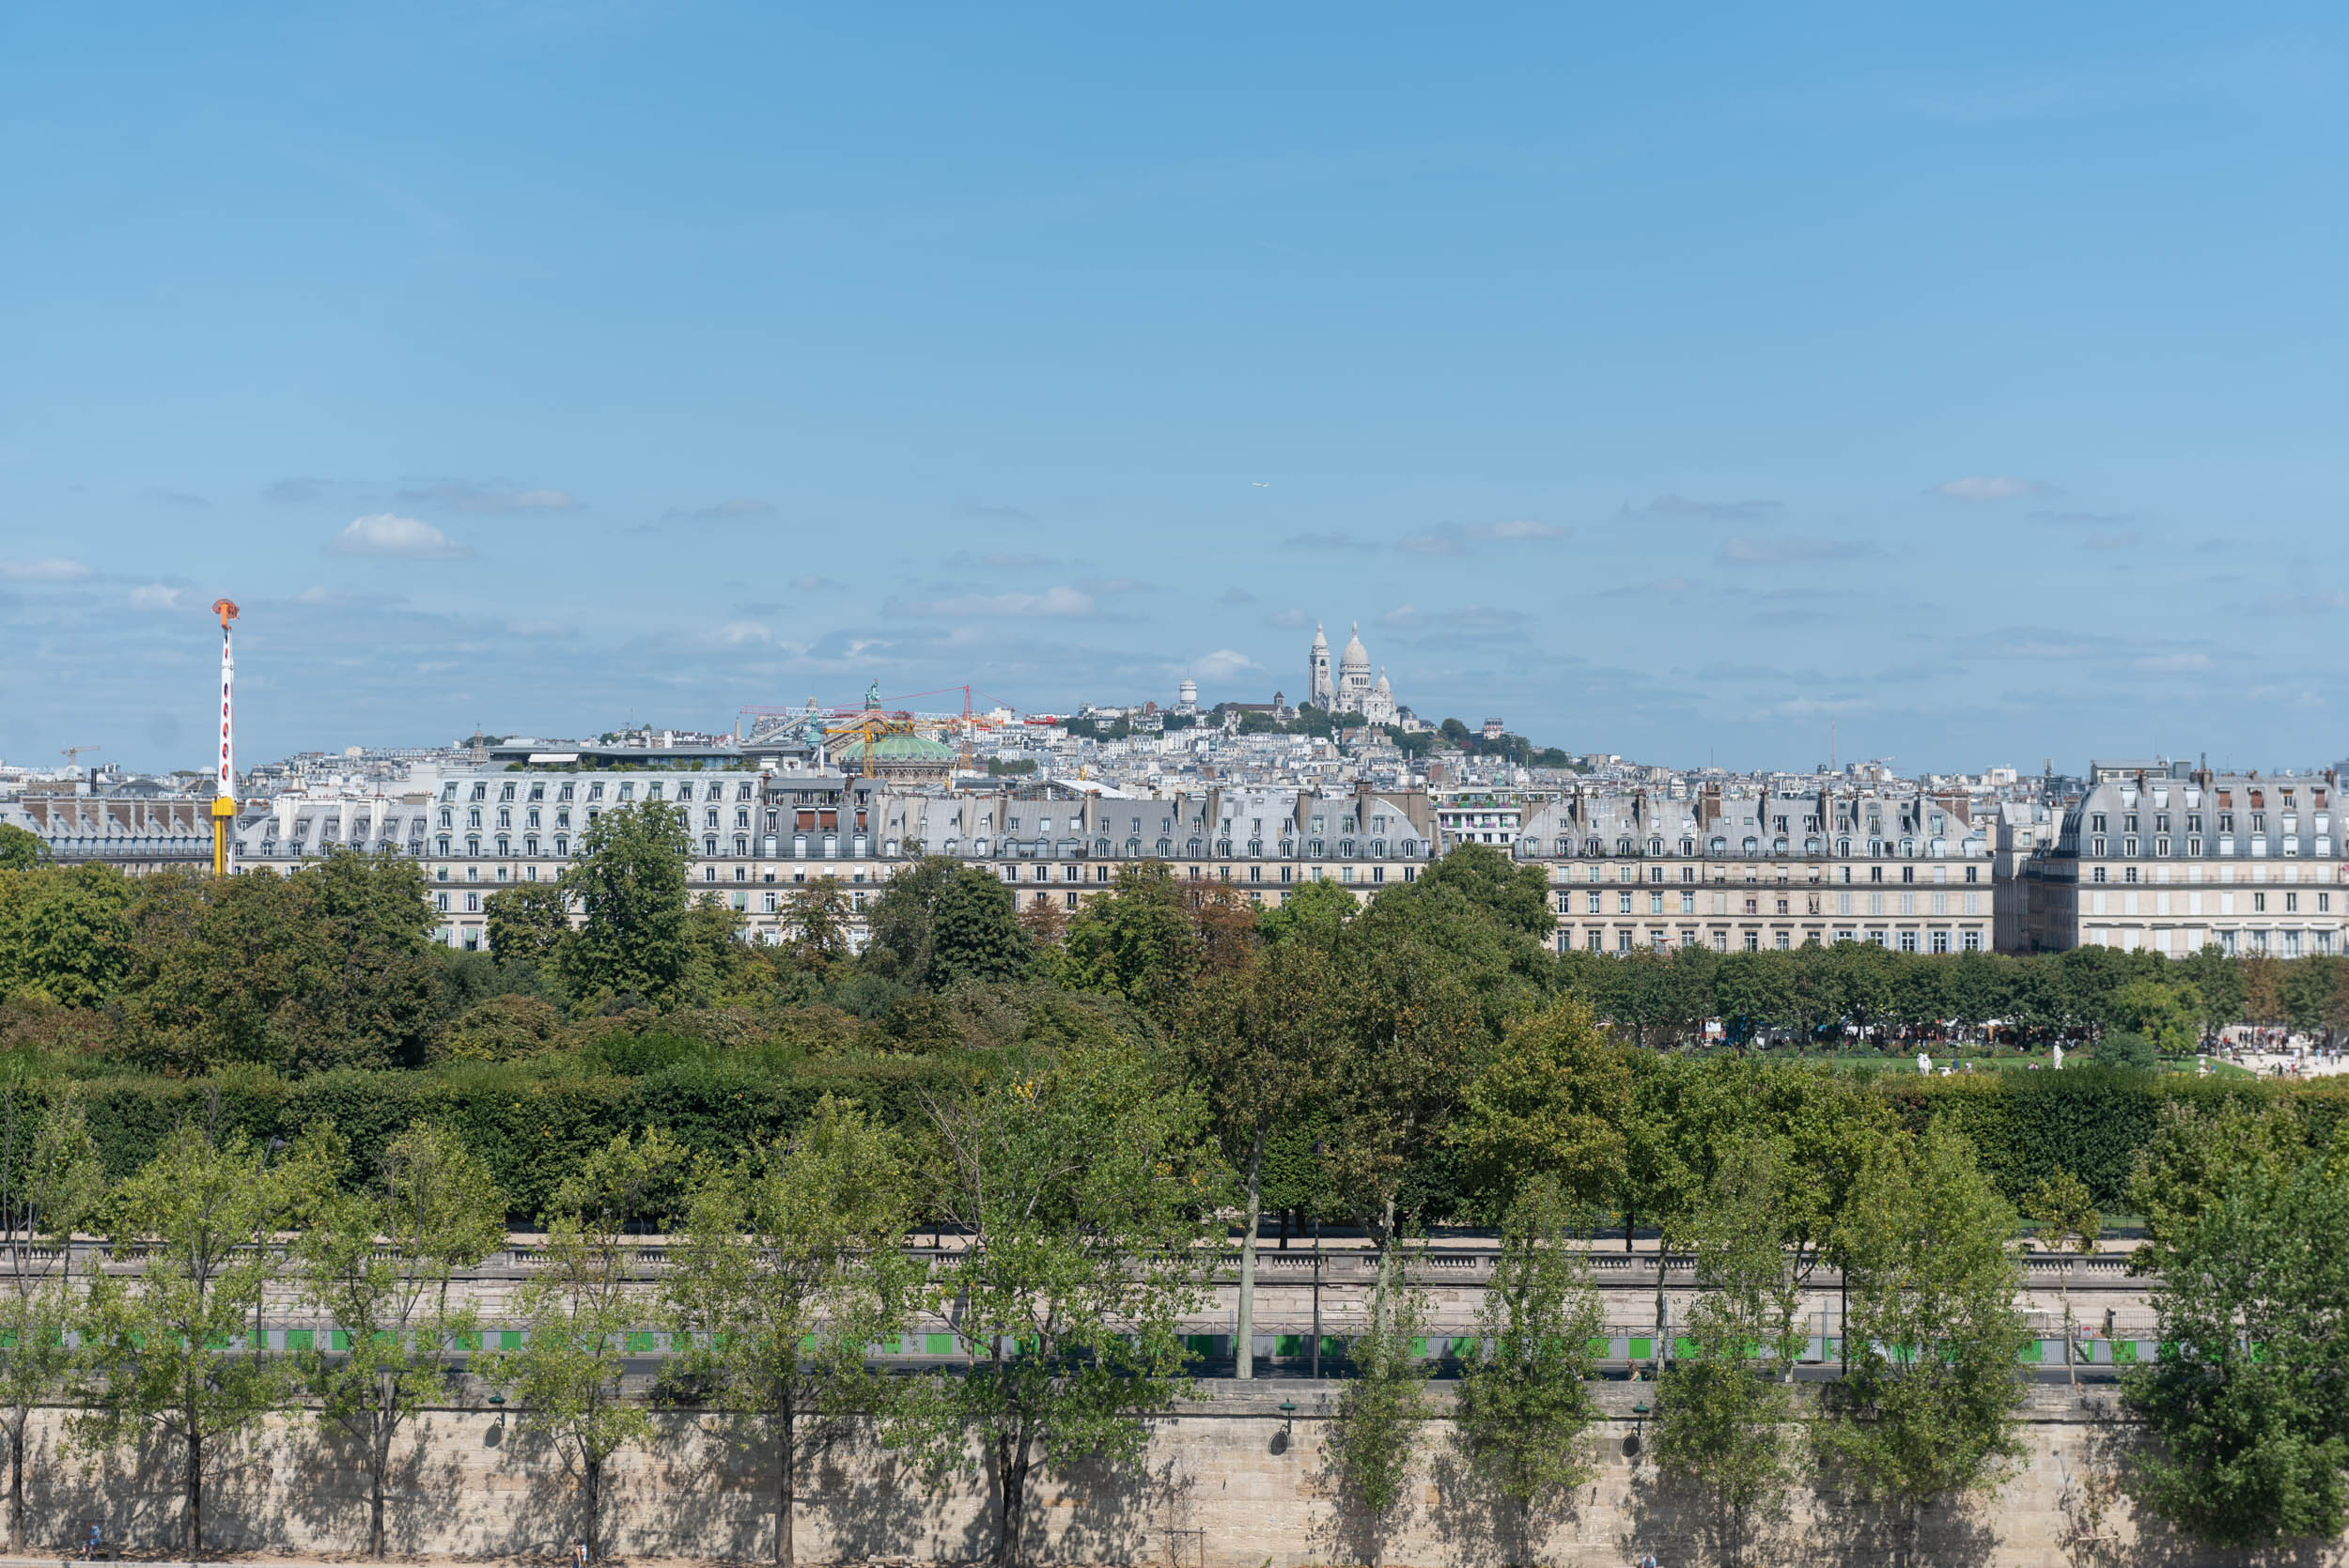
225,784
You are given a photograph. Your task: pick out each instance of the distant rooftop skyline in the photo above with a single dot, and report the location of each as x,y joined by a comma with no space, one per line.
1671,386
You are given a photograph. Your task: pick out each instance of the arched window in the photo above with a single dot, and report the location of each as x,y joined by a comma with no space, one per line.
1811,846
1101,846
1655,847
1843,847
1166,847
1565,846
710,844
1909,847
1133,847
1624,847
443,843
562,846
1193,847
530,846
1379,849
1687,847
1778,846
741,843
1753,845
1410,846
1717,845
472,847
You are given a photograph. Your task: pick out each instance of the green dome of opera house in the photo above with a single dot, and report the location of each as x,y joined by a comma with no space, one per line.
913,759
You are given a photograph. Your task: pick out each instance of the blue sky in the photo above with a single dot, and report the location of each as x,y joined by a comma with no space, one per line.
1666,383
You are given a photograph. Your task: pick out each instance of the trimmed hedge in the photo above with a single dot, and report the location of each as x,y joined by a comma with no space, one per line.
531,1131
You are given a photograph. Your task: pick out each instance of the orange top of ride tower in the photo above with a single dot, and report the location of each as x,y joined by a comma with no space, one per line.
226,610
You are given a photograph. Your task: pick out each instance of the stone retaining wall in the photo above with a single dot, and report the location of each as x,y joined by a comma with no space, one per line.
1227,1482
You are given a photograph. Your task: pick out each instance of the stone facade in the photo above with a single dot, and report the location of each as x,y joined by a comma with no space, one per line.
1224,1483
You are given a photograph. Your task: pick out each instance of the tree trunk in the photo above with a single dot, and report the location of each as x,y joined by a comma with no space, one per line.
1011,1499
2070,1372
786,1461
16,1483
192,1514
382,1440
593,1469
1244,1329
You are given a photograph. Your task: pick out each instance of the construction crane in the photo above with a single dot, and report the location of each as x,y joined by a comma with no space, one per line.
879,716
72,754
224,782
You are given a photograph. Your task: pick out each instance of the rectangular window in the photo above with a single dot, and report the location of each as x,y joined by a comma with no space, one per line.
1689,903
1623,903
1971,940
1656,903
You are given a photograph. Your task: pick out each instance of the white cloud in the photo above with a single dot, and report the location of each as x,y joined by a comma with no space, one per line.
739,506
1285,619
739,633
464,495
1052,604
53,570
1402,615
389,534
156,597
1517,528
1713,511
1222,664
2314,603
1767,551
1992,487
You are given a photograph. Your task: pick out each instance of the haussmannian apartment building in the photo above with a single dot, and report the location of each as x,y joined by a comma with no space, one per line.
756,833
2171,858
1631,868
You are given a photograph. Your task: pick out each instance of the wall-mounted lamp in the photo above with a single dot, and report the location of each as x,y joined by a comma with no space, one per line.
1288,1414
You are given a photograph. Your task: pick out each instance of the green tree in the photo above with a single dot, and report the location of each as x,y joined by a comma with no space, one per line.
1139,942
629,883
1522,1406
20,850
977,933
327,967
2218,981
376,1262
2195,1153
1515,895
817,913
50,1183
1549,1101
792,1265
1313,913
2168,1015
1928,1407
1080,1194
1260,1041
2247,1405
64,934
1375,1432
577,1308
2063,1218
168,1342
528,922
1724,1408
499,1029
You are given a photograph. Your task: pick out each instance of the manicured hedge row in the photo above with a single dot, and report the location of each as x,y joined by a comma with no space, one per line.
533,1132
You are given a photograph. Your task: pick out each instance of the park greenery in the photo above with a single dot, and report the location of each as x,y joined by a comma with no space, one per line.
1087,1104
